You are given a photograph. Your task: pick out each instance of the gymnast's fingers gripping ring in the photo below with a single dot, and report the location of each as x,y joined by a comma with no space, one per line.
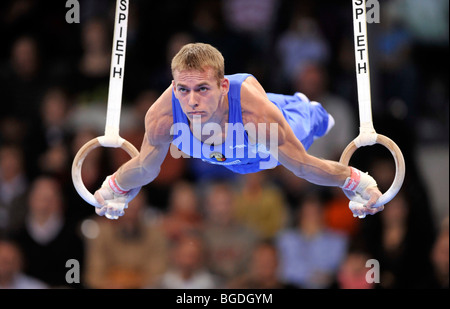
78,164
399,166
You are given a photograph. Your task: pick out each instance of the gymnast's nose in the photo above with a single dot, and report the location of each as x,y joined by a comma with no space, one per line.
193,102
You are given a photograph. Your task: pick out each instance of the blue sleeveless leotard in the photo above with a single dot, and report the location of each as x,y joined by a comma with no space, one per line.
307,120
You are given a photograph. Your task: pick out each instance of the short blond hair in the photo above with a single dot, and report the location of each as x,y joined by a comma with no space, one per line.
199,56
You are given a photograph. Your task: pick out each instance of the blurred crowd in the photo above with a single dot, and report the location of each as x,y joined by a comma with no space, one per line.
199,225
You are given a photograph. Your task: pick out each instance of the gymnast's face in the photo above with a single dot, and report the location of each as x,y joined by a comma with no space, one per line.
201,95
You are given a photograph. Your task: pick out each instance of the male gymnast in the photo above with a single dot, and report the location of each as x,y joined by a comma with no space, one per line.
196,112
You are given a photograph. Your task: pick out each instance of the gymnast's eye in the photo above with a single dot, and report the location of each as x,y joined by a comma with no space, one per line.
182,90
203,89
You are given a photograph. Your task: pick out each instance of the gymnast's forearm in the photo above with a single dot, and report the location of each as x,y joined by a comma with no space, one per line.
133,175
324,172
293,156
143,168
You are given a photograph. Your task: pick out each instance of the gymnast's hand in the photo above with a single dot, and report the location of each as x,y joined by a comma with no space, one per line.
113,199
363,193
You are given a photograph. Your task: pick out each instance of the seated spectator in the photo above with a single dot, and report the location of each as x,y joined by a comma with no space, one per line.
183,211
302,43
262,270
13,187
353,271
398,245
337,214
46,238
310,253
47,144
93,67
438,278
11,268
128,253
260,205
188,266
228,243
23,79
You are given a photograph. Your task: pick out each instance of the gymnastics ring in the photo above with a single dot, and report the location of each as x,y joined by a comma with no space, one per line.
399,166
78,164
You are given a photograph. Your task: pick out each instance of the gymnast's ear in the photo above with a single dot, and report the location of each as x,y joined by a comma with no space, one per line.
225,85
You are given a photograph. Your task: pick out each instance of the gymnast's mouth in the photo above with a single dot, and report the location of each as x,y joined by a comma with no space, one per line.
196,113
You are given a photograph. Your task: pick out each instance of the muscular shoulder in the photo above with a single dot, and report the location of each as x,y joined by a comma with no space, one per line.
256,106
252,95
258,109
159,119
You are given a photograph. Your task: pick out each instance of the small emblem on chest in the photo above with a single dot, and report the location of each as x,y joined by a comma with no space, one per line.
218,156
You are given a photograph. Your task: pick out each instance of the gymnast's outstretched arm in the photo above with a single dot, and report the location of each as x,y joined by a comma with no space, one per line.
145,167
290,152
126,182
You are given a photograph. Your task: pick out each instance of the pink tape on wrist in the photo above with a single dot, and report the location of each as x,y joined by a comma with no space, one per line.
353,181
115,187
